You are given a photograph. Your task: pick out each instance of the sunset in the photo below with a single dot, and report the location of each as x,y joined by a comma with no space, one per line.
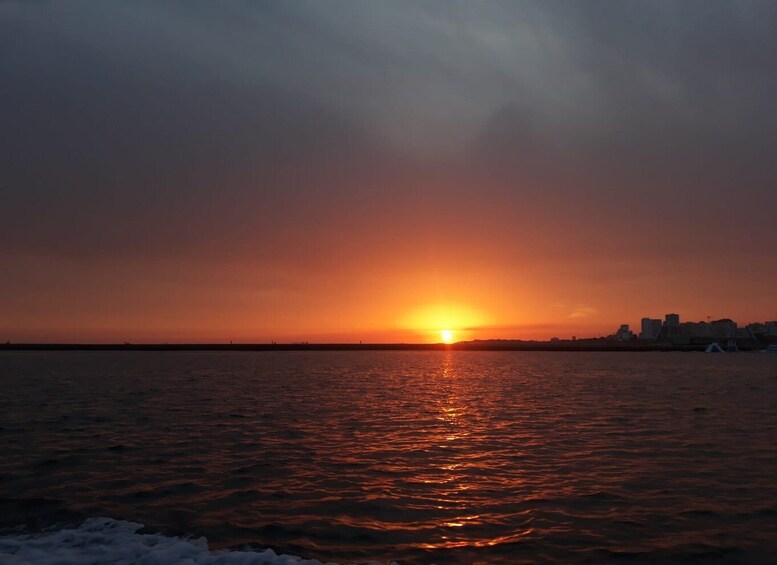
171,174
388,281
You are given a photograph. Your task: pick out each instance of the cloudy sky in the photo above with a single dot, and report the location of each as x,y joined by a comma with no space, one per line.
378,171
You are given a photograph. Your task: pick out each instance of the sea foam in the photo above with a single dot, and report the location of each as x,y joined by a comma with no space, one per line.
104,540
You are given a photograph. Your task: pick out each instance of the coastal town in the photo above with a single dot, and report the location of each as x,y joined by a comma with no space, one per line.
667,334
671,331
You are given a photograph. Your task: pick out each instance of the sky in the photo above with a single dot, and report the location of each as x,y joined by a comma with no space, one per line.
378,171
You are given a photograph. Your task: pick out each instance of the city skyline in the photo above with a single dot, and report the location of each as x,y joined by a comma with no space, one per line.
673,328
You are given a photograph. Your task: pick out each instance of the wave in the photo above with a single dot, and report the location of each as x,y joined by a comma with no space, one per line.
104,540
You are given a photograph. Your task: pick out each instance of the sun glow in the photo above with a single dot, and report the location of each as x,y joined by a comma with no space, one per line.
444,323
446,336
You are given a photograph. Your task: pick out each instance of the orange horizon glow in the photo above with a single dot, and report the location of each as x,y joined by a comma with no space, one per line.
401,304
412,293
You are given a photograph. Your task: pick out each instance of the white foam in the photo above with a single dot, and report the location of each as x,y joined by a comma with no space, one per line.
103,540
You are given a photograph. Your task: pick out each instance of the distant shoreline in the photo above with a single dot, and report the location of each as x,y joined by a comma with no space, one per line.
462,346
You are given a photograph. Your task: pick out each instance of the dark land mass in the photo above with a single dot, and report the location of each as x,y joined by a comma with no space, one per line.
597,344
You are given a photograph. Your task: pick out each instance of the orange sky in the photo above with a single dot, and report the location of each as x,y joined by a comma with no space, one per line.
401,298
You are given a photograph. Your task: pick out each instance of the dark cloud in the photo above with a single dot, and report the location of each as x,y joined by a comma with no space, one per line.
131,127
101,152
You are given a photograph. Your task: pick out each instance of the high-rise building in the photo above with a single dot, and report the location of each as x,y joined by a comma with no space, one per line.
672,320
651,327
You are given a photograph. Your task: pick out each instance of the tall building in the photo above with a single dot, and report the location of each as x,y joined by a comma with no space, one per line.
650,328
672,320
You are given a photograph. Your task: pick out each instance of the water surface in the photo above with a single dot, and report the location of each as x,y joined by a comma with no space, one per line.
419,457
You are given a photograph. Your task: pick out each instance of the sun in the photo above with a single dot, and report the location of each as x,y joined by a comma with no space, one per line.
447,336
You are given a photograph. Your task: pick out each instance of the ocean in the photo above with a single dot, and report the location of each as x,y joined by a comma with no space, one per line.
379,456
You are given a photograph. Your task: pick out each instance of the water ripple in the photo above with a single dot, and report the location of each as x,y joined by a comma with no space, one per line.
422,457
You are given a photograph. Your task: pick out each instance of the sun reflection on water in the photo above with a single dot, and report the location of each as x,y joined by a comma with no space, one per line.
457,436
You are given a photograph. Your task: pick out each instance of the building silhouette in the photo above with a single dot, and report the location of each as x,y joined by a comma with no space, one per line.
673,331
651,327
